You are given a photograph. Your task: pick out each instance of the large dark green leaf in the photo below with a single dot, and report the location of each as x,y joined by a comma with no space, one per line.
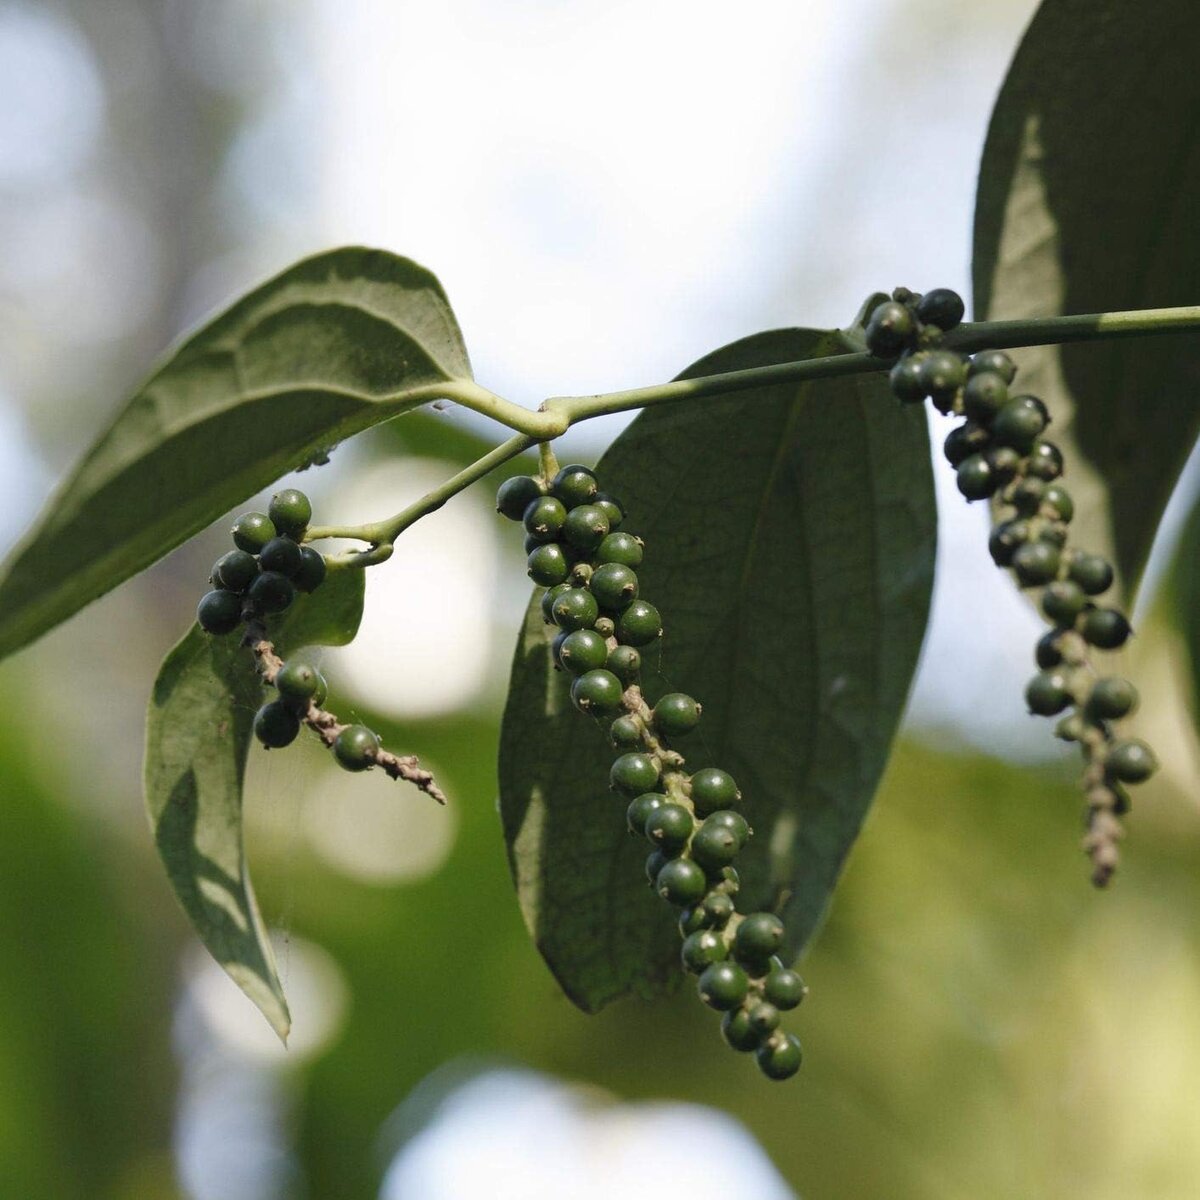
333,345
789,545
1087,198
198,732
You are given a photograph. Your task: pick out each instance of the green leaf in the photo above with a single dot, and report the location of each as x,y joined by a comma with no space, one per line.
1087,197
1183,595
789,546
198,732
331,346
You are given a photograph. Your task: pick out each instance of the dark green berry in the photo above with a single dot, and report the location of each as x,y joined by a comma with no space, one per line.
544,518
784,988
622,548
976,479
574,485
1105,628
942,373
718,908
1057,500
219,612
1049,652
639,624
984,395
605,627
701,949
1092,572
625,663
609,506
640,810
738,1032
942,307
681,882
614,585
780,1056
581,572
298,683
1131,761
547,565
1019,423
312,570
1063,601
597,693
1053,533
995,362
1026,496
963,441
576,608
548,601
281,555
355,748
290,512
1048,693
714,846
634,772
515,495
713,789
723,985
252,531
889,330
692,920
581,651
1044,461
733,821
234,571
585,528
676,714
276,725
625,732
1035,563
654,864
1112,698
669,826
271,593
758,937
1005,539
763,1017
906,381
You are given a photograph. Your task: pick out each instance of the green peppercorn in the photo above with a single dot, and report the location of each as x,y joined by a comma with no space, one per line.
976,479
640,810
669,826
1057,501
1092,572
942,373
597,693
963,441
1044,461
574,485
1053,533
281,555
297,683
758,937
219,612
639,624
906,381
763,1017
718,908
1035,563
1130,761
1063,601
737,1031
252,531
984,395
355,748
576,608
676,714
581,572
271,593
312,570
605,627
1019,423
889,330
615,586
290,512
1111,698
276,725
622,548
714,847
1004,540
784,988
654,864
585,528
547,565
544,518
700,950
1048,693
625,732
548,601
681,882
515,495
234,571
1026,496
609,506
1106,628
733,821
581,651
692,920
625,663
941,307
634,773
779,1057
1049,651
713,789
723,985
995,362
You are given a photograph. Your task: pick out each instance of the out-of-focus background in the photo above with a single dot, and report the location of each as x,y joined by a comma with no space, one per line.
607,192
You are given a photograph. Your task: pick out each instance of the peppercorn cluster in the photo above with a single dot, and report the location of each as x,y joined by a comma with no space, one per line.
588,564
1000,451
259,578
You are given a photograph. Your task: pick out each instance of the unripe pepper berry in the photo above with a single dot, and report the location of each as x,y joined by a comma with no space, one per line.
758,937
544,518
281,555
669,826
1048,693
547,565
1044,461
581,651
984,395
627,732
994,361
718,908
1019,423
355,748
276,725
763,1017
252,531
942,307
681,882
738,1032
713,789
1063,601
976,478
784,988
290,512
1049,651
780,1056
907,382
610,508
622,548
1004,540
597,693
1106,628
625,663
714,847
675,714
271,593
219,612
1112,698
298,683
1057,501
890,328
1092,572
615,586
312,570
549,598
574,485
576,608
701,949
639,624
515,495
585,528
1035,563
634,773
1131,761
641,809
234,571
942,373
723,986
963,441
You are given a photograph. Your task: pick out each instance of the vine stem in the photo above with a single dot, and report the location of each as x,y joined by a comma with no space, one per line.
559,413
